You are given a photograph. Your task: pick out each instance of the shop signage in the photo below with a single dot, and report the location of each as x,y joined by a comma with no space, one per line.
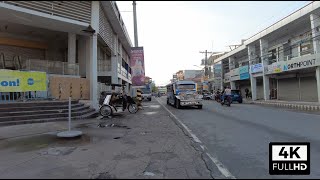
244,76
256,68
298,63
235,78
243,69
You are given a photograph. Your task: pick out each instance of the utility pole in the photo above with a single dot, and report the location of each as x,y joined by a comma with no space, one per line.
135,24
205,63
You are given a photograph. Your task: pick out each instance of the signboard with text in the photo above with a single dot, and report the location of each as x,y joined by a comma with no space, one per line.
22,81
256,68
297,63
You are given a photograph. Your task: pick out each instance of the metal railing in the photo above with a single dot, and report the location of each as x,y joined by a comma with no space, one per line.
6,97
51,67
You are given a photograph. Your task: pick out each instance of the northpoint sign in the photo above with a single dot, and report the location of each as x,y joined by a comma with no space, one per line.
297,63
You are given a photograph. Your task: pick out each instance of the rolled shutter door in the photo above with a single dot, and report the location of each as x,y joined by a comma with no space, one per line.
308,89
288,89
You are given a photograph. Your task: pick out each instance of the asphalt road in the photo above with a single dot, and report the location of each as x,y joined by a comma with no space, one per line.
239,135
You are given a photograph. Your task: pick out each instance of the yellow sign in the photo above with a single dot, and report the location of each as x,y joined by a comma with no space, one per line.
21,81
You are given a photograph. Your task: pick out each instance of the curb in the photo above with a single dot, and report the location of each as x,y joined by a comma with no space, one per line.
290,106
212,164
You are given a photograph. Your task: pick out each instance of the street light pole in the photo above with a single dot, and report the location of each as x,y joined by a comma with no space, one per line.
135,24
205,62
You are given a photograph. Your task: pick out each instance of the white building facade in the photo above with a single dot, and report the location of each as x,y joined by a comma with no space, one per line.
79,39
281,62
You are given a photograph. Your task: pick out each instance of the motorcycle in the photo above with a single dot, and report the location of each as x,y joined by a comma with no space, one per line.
116,103
227,101
217,97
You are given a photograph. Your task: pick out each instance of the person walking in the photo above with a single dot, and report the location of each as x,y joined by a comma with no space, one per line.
247,92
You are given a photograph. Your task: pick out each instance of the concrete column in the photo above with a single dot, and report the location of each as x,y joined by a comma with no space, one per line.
222,76
231,63
264,58
318,81
114,60
232,84
92,72
72,48
315,22
232,66
127,88
253,80
82,56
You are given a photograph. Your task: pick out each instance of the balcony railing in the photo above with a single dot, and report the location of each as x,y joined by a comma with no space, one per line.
51,67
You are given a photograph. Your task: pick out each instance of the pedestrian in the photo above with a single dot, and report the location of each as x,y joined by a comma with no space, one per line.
247,92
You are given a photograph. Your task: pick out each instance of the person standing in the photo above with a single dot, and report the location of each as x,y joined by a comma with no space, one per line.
247,92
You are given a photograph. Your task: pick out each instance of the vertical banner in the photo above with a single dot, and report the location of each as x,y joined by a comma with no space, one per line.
137,66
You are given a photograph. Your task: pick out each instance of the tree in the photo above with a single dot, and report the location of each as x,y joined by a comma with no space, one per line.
153,87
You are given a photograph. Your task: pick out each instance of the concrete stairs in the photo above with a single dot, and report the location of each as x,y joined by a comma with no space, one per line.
43,111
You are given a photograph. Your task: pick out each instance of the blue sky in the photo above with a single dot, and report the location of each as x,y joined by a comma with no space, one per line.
173,32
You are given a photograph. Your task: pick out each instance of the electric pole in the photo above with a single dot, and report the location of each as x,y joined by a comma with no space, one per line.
205,62
135,24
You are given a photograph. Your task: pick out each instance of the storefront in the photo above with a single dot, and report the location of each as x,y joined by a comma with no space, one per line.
296,80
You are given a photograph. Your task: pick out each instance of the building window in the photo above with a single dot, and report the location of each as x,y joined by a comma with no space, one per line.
305,48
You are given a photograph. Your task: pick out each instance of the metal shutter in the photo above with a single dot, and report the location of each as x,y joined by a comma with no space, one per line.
259,89
288,89
308,89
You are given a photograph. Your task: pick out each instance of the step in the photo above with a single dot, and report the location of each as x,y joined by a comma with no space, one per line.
44,116
36,103
37,111
31,108
85,116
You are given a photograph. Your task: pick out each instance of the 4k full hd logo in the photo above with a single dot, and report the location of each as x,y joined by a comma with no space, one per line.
289,158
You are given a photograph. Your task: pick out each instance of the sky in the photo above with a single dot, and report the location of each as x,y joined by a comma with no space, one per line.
173,33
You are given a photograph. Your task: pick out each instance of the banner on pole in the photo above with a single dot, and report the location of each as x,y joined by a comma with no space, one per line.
137,66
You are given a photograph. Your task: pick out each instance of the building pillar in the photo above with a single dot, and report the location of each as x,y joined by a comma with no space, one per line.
264,58
92,73
231,63
318,81
82,56
232,85
232,66
315,22
253,80
222,76
72,38
114,61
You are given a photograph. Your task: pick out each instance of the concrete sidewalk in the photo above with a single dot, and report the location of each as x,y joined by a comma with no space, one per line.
143,145
298,105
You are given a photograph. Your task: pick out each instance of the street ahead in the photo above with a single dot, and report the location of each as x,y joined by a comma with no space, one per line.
239,135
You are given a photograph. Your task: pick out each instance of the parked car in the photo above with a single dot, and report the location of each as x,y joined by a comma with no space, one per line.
236,96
